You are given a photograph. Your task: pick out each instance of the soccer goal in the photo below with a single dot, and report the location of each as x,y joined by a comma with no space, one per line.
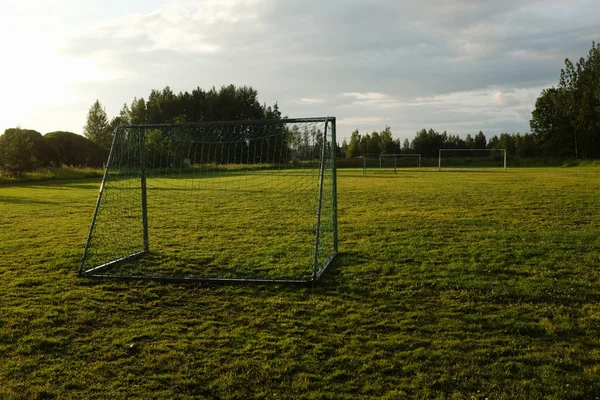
399,160
238,201
472,158
389,163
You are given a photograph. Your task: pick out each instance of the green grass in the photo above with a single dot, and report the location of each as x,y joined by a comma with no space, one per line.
470,284
48,174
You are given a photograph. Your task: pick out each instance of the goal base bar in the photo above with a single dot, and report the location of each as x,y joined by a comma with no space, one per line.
112,263
93,274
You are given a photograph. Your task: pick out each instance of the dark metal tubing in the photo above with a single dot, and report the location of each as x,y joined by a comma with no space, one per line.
334,194
93,273
318,230
113,263
104,179
227,123
326,265
214,281
143,187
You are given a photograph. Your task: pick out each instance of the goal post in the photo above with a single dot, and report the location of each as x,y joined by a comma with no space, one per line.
229,201
464,158
389,162
396,157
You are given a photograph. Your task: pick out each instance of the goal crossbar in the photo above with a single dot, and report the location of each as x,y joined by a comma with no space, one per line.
376,160
392,155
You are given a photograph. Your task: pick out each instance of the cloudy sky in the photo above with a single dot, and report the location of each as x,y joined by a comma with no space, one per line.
455,65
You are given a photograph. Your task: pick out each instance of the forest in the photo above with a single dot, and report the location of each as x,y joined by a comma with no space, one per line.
428,142
565,124
23,150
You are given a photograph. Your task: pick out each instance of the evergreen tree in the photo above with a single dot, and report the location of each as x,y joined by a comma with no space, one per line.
121,119
138,111
365,143
386,141
548,123
507,142
480,141
493,143
374,144
273,112
566,119
344,149
125,114
97,127
353,150
469,142
527,146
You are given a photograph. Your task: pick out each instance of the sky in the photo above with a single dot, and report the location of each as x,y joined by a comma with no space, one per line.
454,65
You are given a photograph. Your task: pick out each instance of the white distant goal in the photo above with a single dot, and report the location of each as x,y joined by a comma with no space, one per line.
472,158
392,159
389,162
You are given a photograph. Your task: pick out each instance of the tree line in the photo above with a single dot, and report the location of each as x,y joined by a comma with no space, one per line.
428,142
24,150
229,103
564,124
566,118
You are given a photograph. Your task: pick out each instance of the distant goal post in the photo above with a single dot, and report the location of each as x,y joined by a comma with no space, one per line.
494,158
396,156
390,162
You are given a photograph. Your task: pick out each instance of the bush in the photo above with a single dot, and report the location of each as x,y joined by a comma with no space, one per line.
75,150
43,152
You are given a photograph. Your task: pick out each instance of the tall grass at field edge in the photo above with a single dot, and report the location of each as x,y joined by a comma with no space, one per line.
56,173
69,173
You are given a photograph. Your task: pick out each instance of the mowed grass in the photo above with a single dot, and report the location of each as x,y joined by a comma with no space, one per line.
478,284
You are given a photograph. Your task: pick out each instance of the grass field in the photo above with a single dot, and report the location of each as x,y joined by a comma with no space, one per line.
48,174
462,285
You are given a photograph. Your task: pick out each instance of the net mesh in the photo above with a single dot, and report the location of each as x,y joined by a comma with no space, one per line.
389,163
473,158
224,201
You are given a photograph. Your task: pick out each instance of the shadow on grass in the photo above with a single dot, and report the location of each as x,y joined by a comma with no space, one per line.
90,186
159,266
57,184
344,174
22,200
416,173
330,281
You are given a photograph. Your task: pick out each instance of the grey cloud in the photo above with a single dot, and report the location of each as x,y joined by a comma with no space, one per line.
296,49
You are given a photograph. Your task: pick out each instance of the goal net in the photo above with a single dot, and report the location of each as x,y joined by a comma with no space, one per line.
472,158
217,201
390,163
